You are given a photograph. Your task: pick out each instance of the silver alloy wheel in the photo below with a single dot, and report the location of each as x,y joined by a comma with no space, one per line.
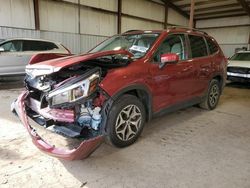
128,122
214,95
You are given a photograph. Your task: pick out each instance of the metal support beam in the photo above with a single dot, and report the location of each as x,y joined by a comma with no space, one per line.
229,12
79,17
36,13
225,26
119,17
248,46
177,9
202,3
223,16
191,18
86,6
215,8
245,6
166,16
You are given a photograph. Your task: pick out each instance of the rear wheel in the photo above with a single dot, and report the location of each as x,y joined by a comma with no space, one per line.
212,98
126,120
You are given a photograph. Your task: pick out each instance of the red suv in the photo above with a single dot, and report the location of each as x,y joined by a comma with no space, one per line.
111,91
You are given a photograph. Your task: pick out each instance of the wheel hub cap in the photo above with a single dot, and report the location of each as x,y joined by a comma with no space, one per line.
128,122
214,95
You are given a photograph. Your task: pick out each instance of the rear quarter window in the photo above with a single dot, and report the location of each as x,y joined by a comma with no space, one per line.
38,46
198,46
212,46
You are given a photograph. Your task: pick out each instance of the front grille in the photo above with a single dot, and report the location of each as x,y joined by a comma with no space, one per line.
240,70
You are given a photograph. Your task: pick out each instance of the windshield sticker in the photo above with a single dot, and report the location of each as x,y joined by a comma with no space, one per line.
138,48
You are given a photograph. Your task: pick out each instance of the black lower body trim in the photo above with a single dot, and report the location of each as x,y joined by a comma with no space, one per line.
179,106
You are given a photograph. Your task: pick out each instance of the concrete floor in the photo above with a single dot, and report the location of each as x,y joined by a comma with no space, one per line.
189,148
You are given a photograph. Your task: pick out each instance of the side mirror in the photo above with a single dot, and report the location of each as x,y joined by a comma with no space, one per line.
168,58
1,49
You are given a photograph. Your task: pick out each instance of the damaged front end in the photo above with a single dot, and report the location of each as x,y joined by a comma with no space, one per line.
67,102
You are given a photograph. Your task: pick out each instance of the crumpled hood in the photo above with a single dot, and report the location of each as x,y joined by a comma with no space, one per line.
245,64
51,66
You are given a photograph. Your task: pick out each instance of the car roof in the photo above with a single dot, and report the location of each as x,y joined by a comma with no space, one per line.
142,31
36,39
173,29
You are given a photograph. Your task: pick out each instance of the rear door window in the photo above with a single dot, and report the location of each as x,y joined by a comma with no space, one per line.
31,45
198,46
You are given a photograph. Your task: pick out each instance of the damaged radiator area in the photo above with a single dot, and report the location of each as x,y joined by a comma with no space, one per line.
81,122
69,102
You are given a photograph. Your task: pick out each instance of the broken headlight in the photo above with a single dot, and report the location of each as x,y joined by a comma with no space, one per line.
76,91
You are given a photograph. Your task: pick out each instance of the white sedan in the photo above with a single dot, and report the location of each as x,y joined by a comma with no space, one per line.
238,68
16,53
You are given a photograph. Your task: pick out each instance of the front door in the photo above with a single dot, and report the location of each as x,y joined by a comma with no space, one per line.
173,83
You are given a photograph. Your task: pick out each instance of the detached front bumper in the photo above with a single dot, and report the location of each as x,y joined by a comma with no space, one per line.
83,150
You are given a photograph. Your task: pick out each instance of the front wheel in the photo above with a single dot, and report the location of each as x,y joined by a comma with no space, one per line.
213,95
126,120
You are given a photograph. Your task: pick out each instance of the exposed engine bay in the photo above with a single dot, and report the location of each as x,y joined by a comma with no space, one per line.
69,101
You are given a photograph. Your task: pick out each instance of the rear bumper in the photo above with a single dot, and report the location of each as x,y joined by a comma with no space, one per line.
83,150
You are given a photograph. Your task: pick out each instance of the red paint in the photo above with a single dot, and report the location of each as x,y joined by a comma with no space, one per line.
83,151
61,115
71,60
46,56
169,57
99,100
172,84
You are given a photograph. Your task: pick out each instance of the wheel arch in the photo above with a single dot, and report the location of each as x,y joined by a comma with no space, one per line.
142,93
220,79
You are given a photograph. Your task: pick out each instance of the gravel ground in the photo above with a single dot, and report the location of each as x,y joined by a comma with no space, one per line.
188,148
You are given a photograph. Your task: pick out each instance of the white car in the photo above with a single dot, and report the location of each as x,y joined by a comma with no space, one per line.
238,68
16,53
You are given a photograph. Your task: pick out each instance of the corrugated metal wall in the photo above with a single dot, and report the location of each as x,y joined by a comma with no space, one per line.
144,9
75,42
228,35
17,13
60,21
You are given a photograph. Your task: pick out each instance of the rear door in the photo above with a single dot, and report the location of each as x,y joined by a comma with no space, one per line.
174,82
12,60
202,61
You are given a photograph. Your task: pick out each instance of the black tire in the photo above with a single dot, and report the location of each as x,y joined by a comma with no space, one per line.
212,97
119,130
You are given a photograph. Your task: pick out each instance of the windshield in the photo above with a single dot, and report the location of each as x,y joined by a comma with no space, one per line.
137,44
241,56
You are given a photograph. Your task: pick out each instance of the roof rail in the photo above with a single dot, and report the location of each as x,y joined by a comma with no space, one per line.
192,29
134,30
